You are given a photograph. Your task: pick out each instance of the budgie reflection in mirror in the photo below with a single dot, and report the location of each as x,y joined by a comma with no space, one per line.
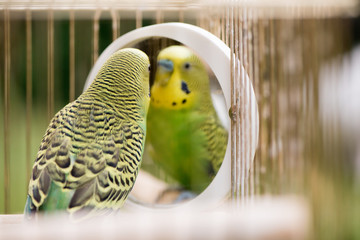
185,135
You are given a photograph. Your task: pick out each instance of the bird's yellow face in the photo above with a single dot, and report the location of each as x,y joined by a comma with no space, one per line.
179,78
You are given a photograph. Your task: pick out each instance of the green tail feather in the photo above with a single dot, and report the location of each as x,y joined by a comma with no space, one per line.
57,199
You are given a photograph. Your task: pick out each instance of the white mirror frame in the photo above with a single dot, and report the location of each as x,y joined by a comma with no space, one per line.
217,55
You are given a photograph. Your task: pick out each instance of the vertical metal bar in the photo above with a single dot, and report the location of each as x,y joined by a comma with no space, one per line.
238,72
227,26
96,35
159,16
239,102
256,81
281,115
238,62
250,120
286,112
28,92
181,15
203,18
223,24
299,132
214,23
233,100
119,24
198,19
241,105
245,107
273,107
72,56
7,77
50,65
279,125
235,42
114,24
260,86
138,18
237,109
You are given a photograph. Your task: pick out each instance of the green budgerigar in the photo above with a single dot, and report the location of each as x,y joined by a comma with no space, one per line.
90,154
185,135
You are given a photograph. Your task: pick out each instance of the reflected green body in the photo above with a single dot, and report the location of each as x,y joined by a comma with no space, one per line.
179,147
186,136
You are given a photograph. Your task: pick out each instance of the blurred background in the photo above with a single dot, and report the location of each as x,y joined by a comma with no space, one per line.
302,58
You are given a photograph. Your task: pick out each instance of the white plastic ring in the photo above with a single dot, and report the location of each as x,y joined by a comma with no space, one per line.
217,55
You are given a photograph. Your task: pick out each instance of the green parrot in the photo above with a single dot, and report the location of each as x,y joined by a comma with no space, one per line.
184,134
90,154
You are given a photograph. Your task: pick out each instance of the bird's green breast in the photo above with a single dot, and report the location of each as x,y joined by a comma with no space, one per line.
180,146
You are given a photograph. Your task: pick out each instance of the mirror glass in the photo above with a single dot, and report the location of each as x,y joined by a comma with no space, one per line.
182,153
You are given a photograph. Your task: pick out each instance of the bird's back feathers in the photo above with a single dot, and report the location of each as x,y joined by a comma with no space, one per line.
89,156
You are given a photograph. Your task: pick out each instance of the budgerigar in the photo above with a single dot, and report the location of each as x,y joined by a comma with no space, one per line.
185,134
90,154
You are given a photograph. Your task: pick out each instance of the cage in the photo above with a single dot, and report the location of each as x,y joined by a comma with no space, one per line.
299,60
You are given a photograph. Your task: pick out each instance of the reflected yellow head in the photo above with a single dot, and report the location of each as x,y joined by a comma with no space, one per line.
180,81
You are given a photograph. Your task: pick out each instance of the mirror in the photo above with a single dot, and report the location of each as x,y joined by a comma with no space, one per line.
185,146
217,56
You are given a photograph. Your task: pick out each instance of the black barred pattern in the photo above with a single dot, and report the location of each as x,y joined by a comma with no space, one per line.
126,96
94,145
217,137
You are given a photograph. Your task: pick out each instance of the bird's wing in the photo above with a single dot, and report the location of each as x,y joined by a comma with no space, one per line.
91,163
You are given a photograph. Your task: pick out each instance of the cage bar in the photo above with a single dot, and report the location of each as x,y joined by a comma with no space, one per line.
50,64
72,56
139,17
29,160
97,16
114,19
7,79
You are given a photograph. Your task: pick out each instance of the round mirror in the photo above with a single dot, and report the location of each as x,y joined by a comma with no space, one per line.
216,56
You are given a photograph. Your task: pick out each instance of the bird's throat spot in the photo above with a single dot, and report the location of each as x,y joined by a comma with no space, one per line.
173,104
182,102
184,87
178,99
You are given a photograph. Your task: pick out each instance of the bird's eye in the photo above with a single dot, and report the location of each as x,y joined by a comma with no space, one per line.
187,66
149,67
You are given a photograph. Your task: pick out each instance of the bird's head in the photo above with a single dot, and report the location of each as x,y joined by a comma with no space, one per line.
123,80
180,80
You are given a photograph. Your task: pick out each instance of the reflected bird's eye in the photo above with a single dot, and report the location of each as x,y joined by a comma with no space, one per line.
187,66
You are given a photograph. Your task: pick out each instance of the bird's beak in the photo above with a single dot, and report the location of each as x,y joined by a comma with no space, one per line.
166,65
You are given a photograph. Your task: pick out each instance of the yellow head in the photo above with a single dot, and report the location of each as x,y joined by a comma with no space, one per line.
181,79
